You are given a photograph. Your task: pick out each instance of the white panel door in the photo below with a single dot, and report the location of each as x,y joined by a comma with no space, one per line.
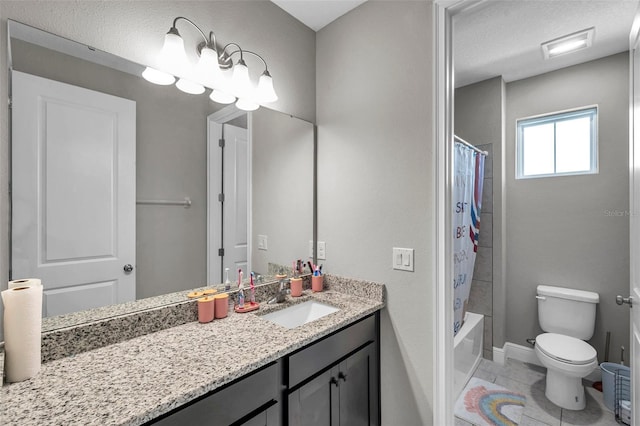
634,154
73,192
236,199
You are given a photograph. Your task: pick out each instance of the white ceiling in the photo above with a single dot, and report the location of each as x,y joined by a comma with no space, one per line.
315,14
502,37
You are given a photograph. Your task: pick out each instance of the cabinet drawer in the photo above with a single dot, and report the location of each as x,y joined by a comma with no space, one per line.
232,403
322,354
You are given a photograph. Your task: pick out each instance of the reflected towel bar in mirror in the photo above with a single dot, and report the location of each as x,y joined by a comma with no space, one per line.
186,203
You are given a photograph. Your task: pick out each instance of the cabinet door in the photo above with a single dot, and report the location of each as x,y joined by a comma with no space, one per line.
233,405
316,403
358,389
327,351
268,417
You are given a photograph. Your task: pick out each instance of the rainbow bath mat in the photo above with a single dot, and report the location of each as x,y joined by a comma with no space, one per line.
483,403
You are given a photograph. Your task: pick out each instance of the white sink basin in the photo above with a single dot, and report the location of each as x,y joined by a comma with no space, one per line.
302,313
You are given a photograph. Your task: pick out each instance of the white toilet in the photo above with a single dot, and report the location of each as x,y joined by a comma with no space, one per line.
568,318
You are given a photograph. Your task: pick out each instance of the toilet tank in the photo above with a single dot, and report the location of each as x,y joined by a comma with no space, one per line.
567,311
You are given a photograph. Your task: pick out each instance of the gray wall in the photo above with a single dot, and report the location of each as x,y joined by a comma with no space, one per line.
135,30
559,229
282,159
478,119
376,181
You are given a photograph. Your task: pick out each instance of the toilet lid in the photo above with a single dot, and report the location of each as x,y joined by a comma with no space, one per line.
566,349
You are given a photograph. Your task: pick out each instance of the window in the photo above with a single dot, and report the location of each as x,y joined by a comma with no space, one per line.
558,144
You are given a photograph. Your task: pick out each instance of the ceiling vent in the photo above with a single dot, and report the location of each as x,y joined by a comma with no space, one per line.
568,44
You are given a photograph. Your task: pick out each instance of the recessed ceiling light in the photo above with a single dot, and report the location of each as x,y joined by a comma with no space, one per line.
569,43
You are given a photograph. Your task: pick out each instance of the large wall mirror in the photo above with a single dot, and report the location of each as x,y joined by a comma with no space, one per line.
161,147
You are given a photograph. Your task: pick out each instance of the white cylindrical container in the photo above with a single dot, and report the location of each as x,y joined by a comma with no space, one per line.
22,329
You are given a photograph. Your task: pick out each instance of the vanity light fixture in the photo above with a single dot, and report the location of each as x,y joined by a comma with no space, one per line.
569,43
191,87
158,77
208,72
221,97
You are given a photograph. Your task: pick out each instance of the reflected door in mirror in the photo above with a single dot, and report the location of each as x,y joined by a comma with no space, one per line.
76,234
236,199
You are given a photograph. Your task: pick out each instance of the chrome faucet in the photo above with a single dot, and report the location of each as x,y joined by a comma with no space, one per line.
282,292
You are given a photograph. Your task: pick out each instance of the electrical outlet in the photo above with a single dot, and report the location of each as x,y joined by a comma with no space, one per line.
403,259
322,251
262,242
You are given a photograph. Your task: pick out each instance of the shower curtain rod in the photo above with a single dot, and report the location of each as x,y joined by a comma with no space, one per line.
462,141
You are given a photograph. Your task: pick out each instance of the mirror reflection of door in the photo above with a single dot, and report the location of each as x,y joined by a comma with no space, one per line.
228,193
76,235
236,199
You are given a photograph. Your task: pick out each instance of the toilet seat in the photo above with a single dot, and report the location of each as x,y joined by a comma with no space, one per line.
566,349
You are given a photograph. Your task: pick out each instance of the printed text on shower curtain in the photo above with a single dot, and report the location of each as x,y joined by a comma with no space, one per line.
467,201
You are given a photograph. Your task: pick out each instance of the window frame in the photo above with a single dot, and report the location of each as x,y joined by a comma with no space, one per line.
591,111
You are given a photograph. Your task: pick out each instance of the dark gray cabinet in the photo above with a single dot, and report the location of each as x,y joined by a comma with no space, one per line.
336,381
267,417
251,401
312,403
357,385
344,395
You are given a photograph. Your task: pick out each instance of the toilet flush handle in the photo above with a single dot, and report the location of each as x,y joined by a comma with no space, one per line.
541,297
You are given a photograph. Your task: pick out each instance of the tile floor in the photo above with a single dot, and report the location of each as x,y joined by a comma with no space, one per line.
529,380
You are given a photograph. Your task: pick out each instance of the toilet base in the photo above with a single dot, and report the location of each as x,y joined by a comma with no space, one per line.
565,391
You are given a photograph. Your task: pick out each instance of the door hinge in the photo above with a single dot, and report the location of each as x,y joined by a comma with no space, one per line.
221,198
221,143
221,252
10,101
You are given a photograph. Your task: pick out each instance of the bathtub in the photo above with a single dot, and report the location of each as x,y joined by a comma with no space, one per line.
467,350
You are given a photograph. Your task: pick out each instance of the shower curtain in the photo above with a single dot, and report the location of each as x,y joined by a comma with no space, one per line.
467,200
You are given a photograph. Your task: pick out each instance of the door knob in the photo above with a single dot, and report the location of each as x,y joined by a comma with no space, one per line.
128,268
628,300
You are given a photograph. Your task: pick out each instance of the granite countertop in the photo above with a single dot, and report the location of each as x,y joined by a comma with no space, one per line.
134,381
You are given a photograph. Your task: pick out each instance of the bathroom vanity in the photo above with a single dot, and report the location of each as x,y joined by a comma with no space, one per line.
242,369
331,381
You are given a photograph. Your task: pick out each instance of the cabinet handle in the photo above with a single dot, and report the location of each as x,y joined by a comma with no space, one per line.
333,381
342,376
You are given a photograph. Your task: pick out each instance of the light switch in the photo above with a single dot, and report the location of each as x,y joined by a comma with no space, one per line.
322,251
262,242
403,259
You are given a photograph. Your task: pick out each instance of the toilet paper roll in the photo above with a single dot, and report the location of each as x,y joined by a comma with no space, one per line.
25,282
22,330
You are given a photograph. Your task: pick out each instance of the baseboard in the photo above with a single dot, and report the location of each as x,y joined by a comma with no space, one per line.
498,355
517,352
